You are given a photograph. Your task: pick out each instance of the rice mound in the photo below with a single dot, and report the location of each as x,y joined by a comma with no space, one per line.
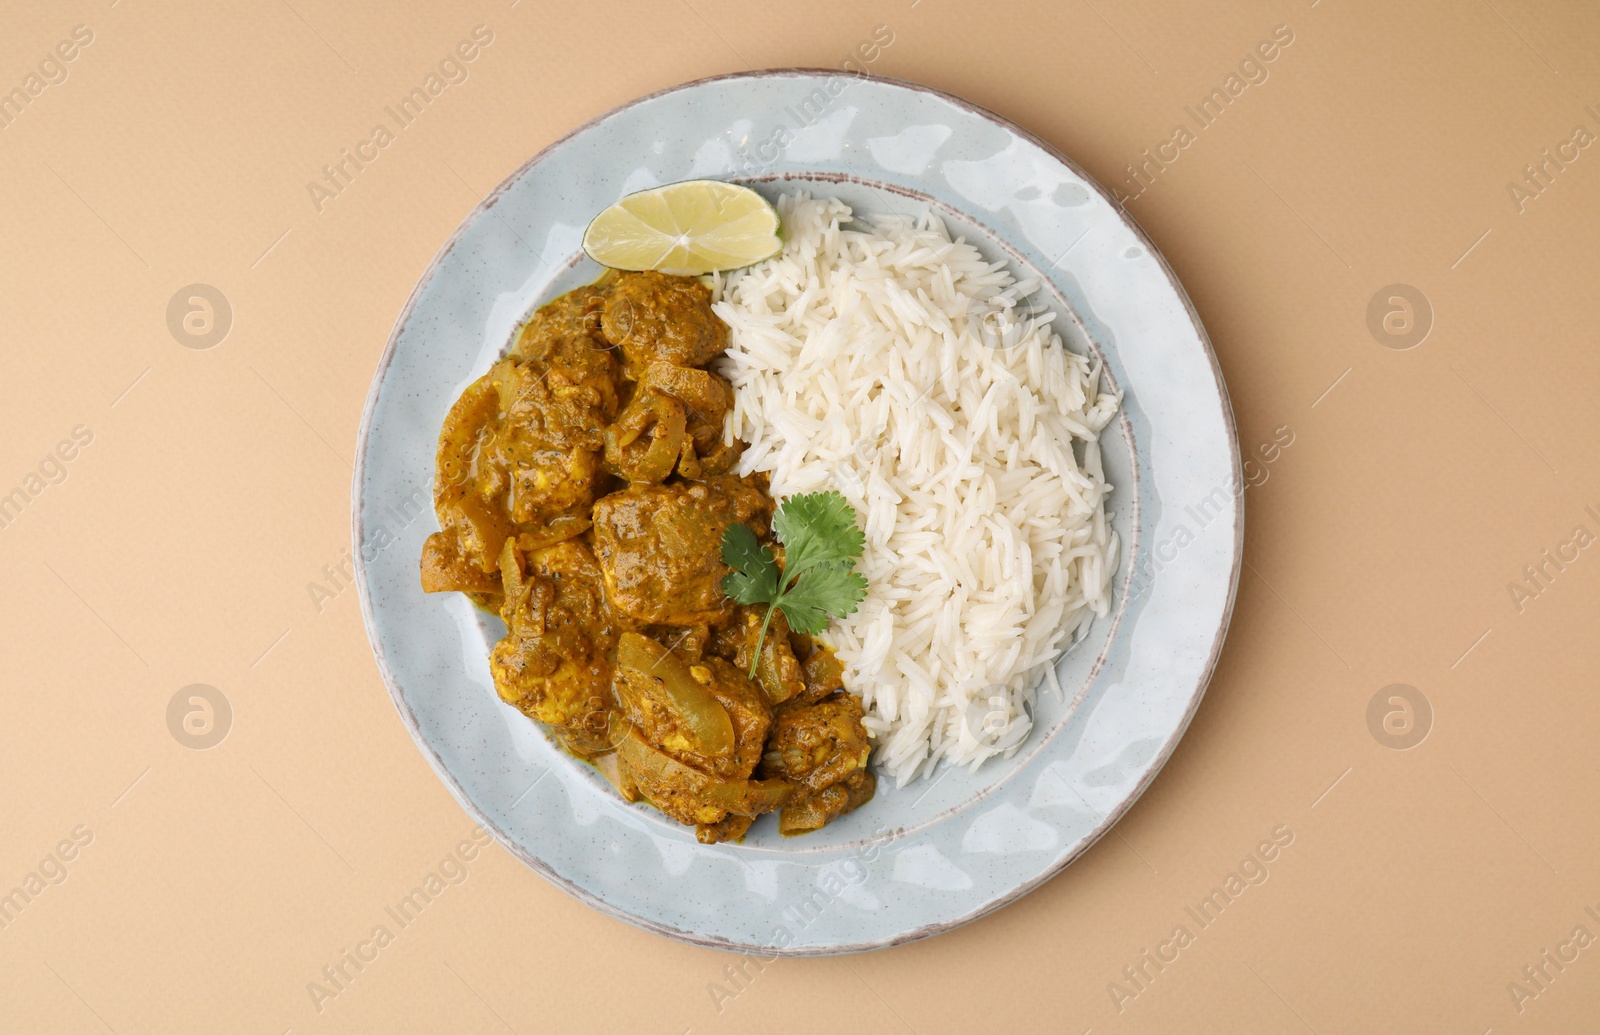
887,361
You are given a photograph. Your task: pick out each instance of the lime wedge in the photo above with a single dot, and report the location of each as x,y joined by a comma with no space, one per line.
685,229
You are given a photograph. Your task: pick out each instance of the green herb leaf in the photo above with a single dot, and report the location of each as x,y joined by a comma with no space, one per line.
816,528
828,589
754,579
821,544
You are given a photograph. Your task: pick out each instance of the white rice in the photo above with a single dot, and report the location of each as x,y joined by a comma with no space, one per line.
893,364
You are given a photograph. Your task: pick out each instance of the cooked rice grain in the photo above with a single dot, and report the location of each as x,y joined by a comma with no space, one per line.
895,365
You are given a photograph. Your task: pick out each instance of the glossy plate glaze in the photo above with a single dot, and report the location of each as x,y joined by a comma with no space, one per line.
916,860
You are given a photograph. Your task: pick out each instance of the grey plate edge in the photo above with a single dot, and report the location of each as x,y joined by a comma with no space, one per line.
767,951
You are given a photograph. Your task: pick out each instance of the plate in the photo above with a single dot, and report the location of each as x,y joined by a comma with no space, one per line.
939,852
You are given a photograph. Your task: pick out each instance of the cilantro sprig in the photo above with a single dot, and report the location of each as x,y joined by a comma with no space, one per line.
821,545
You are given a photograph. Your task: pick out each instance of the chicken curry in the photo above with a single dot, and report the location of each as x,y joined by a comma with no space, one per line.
583,491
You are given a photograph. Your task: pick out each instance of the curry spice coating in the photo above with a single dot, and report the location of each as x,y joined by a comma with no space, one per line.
583,489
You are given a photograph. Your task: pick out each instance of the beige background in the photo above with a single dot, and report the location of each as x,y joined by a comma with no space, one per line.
180,545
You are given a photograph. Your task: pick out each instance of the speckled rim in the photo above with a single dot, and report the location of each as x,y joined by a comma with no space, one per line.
1110,819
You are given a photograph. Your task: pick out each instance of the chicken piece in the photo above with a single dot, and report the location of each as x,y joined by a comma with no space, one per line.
566,390
777,672
657,760
660,546
666,329
552,664
706,399
445,570
572,318
684,410
823,675
805,814
545,454
817,745
562,406
822,747
720,459
692,796
640,457
519,451
473,523
642,699
728,828
687,642
656,318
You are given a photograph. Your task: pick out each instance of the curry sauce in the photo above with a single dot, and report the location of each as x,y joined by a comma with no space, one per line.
584,485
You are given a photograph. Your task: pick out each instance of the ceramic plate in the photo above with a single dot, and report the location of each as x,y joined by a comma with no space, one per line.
939,852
